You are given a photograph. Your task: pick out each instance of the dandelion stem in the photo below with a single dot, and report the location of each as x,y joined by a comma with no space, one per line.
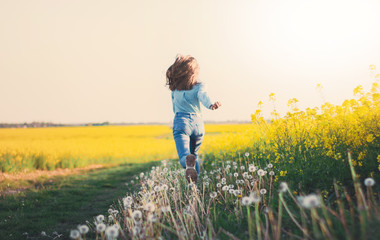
257,221
292,217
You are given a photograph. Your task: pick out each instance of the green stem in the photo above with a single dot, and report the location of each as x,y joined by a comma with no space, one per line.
257,221
278,233
249,223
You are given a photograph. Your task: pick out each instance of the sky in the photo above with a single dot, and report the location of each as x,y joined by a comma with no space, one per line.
78,61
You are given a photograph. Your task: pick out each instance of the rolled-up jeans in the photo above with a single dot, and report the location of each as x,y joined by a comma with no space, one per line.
188,132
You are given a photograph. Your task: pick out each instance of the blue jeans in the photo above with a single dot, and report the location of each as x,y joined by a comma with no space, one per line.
188,132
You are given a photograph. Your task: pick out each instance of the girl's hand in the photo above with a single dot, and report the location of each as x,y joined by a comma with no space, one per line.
216,105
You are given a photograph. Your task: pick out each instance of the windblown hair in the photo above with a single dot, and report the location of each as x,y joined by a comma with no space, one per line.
183,73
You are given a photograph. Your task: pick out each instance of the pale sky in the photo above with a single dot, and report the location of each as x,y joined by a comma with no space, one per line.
75,61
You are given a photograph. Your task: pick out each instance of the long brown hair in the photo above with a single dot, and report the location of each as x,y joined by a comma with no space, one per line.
183,73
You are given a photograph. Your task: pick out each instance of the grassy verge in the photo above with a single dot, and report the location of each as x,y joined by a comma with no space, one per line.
60,203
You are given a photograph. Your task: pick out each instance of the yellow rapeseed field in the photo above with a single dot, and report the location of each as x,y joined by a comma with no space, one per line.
69,147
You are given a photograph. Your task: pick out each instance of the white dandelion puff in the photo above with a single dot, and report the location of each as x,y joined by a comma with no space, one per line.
236,174
137,215
255,197
225,188
270,165
283,187
263,191
213,195
309,201
261,172
150,207
242,168
101,227
252,168
83,229
246,154
112,232
271,173
74,234
218,185
99,218
246,201
164,187
369,182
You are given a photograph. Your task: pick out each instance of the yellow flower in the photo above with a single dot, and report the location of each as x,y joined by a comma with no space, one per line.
370,138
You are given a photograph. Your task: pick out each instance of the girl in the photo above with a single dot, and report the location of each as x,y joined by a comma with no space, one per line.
188,128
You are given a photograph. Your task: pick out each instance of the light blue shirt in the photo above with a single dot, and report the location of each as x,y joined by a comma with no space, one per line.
188,101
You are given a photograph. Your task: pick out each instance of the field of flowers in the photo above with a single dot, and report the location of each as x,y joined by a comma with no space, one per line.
71,147
306,145
312,174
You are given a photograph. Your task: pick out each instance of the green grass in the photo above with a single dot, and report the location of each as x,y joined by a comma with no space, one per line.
65,202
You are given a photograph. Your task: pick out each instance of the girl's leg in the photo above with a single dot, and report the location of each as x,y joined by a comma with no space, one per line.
182,144
196,140
195,144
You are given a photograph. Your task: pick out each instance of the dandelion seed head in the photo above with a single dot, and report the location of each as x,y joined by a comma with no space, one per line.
225,188
263,191
270,165
150,207
246,201
99,218
236,174
283,187
112,232
271,173
242,168
255,198
218,185
246,154
261,172
369,182
83,229
137,215
309,201
74,234
101,227
213,195
252,168
164,187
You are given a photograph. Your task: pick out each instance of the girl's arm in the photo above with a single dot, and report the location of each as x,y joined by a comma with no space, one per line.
205,99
